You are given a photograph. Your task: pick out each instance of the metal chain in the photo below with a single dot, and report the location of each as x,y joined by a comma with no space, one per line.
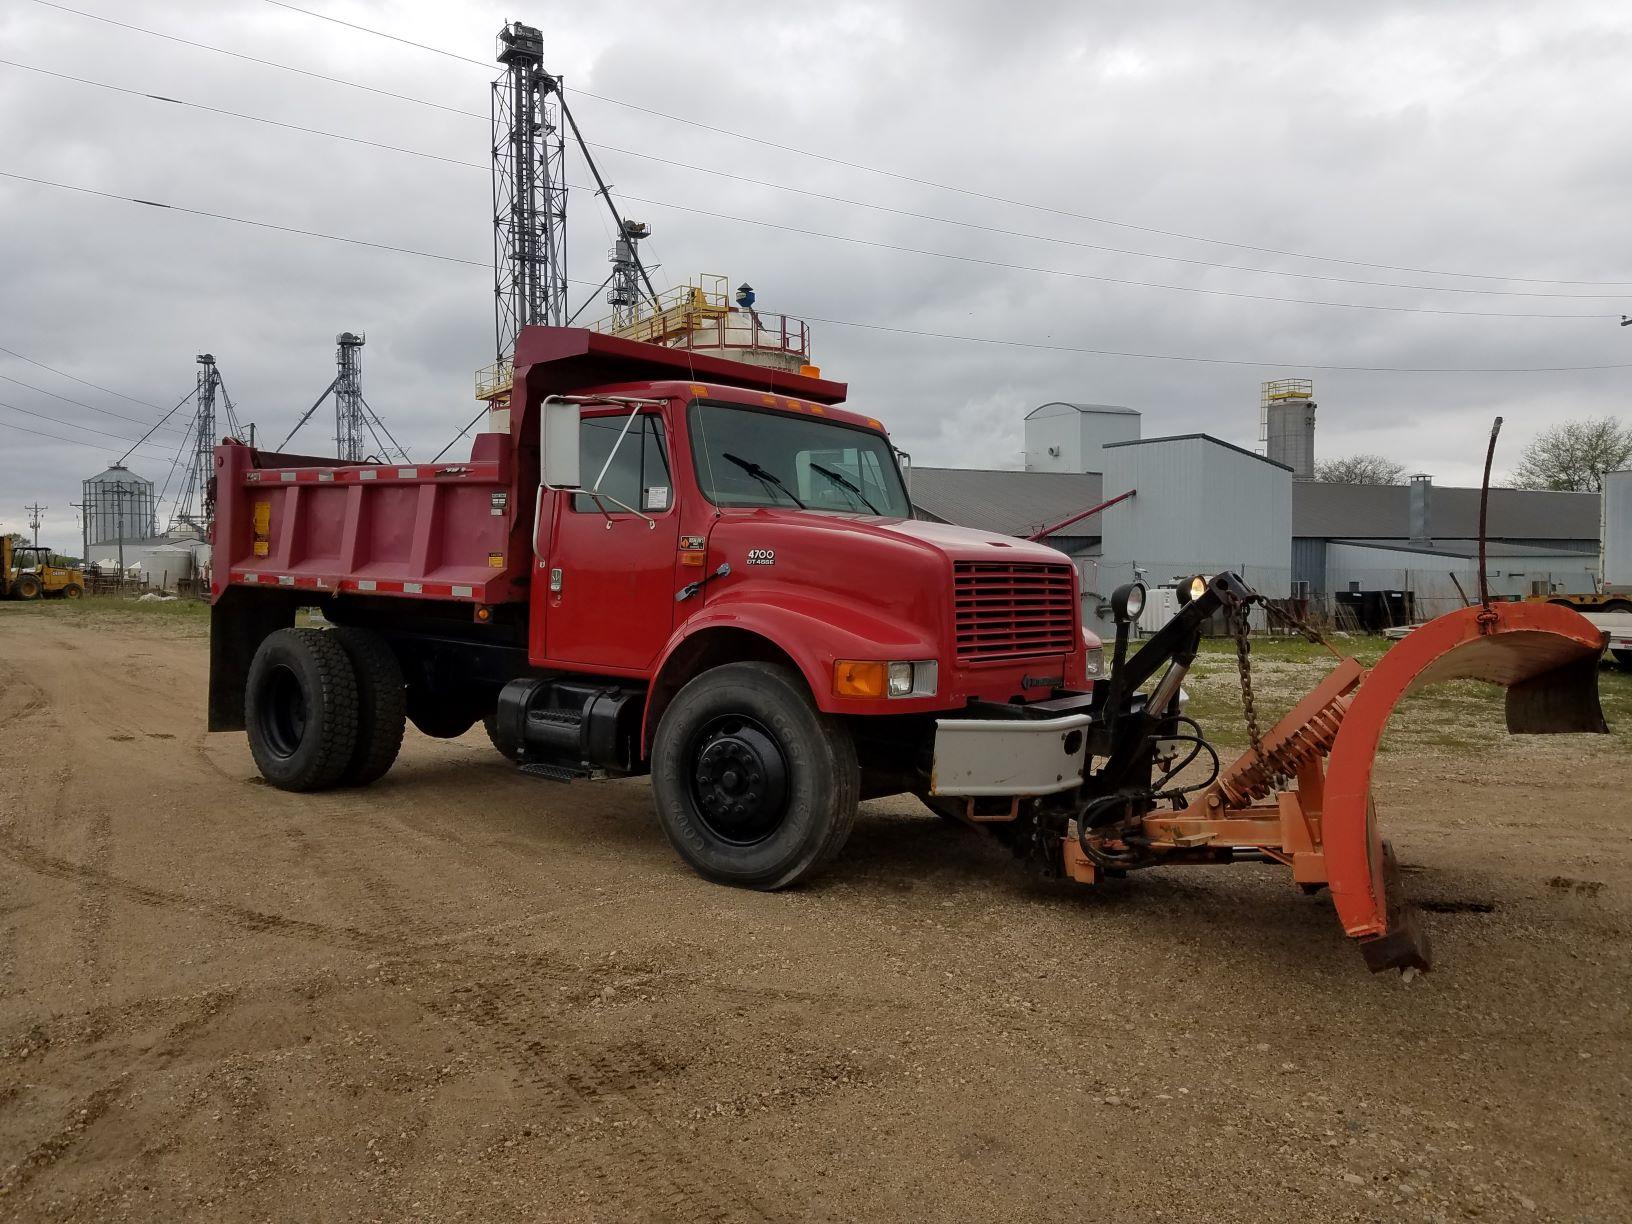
1239,623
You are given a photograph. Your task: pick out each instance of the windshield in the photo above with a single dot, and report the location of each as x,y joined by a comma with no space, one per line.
746,457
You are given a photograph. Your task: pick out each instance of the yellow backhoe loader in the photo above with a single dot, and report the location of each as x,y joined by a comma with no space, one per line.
26,572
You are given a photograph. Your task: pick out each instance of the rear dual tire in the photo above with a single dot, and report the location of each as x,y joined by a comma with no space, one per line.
323,708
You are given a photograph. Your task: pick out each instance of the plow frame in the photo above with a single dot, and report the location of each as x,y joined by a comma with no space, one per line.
1325,829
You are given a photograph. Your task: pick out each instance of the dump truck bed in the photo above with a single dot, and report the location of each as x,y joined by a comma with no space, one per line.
426,530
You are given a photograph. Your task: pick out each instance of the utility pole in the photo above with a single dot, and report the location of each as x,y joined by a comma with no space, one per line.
119,495
34,513
84,531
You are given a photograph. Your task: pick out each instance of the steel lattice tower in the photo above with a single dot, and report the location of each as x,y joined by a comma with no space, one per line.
624,294
348,398
529,191
193,505
202,465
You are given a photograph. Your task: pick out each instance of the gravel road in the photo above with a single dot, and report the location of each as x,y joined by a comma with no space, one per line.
465,994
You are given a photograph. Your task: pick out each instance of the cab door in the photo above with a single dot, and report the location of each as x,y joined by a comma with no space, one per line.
611,569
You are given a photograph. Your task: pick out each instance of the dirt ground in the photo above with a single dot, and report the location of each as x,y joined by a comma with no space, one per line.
466,994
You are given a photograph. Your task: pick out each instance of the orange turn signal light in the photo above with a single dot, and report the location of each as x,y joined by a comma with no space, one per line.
856,678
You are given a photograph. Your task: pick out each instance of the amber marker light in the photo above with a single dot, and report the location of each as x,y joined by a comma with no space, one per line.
856,678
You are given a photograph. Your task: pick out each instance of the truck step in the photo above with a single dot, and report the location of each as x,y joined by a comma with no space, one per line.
559,718
558,773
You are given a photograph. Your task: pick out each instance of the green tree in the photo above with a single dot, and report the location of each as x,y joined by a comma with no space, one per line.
1574,455
1361,469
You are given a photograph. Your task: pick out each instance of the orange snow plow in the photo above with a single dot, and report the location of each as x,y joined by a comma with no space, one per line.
1304,797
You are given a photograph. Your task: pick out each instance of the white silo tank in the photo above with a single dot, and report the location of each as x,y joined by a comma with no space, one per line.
164,564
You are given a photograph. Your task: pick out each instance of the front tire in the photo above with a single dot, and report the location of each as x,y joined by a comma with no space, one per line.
26,587
755,786
300,709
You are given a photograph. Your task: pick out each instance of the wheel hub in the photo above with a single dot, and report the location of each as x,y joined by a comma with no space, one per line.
283,712
740,780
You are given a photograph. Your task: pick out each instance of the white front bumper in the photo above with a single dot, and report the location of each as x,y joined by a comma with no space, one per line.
1003,756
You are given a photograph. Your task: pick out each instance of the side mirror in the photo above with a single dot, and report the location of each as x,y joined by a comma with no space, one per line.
558,430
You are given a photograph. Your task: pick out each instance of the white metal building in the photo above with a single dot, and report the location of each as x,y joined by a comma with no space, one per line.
1201,506
1444,577
1062,437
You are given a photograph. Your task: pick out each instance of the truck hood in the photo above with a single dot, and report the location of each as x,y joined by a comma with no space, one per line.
955,543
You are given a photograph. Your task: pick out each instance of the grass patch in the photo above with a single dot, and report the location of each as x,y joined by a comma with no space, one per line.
1460,716
185,616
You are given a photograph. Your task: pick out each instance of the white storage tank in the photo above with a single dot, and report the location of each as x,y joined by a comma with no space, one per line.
165,564
1617,531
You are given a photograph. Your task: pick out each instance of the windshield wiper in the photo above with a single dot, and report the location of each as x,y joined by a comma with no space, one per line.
760,474
843,483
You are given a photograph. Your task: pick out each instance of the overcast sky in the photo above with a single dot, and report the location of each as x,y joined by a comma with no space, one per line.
1478,138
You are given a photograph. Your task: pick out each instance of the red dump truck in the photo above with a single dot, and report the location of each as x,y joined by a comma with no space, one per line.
710,572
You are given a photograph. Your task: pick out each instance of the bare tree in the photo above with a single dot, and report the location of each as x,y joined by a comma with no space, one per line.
1574,455
1361,469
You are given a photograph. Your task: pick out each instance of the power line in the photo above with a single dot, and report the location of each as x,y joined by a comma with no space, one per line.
1229,361
82,382
846,201
45,416
187,433
1119,280
59,437
407,42
846,237
874,326
601,189
318,76
951,187
65,399
216,110
214,216
876,245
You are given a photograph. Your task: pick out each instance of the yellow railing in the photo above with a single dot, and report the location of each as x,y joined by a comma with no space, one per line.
675,313
494,381
1280,389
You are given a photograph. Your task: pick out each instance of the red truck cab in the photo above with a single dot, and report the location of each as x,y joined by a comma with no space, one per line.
671,563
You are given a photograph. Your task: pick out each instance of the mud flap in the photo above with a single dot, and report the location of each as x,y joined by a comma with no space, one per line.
1545,655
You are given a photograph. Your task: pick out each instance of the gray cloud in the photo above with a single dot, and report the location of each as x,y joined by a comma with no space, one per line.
1468,137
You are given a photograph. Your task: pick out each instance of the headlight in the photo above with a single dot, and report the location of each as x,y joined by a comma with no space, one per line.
873,679
1094,661
1191,588
1127,601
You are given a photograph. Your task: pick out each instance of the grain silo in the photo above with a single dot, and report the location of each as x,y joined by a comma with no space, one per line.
118,507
